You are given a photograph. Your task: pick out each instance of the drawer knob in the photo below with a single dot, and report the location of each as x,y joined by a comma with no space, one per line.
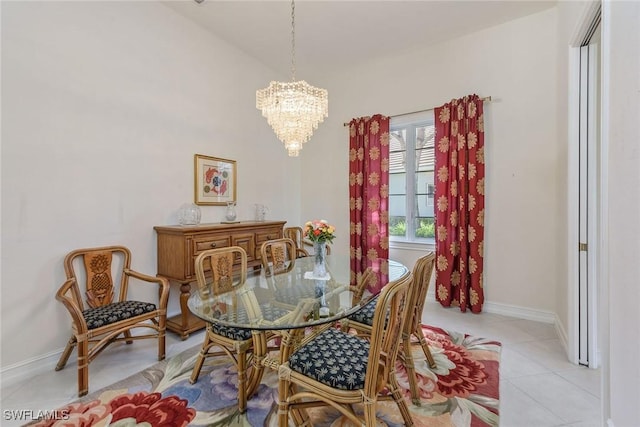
269,238
213,245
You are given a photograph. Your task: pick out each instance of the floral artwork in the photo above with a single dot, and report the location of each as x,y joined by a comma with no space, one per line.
215,180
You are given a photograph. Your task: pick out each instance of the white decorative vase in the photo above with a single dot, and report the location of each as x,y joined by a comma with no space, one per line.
320,259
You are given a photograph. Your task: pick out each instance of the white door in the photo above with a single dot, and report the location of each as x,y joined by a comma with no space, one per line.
589,198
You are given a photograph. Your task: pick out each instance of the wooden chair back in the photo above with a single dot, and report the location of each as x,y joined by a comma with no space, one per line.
227,266
359,289
93,270
422,272
278,256
297,235
390,314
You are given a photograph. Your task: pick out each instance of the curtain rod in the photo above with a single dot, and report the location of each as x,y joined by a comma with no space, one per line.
485,99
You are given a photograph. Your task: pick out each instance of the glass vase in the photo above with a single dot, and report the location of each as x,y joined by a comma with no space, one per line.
320,259
230,214
189,214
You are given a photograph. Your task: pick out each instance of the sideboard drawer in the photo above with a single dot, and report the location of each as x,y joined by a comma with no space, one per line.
264,236
203,243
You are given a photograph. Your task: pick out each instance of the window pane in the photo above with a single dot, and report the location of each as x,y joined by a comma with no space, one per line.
423,180
397,140
397,151
397,205
398,183
397,215
424,148
424,206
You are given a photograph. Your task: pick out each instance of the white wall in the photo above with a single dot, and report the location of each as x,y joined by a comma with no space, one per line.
515,64
104,105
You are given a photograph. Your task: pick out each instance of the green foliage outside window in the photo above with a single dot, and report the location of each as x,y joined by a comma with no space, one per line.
398,227
427,228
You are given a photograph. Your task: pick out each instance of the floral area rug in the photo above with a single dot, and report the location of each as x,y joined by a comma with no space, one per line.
463,390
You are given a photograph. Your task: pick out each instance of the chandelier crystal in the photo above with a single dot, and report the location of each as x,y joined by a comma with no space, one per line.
293,109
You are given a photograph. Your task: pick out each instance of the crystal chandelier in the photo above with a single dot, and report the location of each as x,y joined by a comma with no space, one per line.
293,109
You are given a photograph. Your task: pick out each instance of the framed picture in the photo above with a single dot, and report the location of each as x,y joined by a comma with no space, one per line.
215,180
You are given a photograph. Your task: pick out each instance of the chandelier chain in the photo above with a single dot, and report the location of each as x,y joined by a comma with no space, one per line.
293,41
293,109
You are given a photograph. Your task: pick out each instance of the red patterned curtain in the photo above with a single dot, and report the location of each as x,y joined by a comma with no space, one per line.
459,165
369,197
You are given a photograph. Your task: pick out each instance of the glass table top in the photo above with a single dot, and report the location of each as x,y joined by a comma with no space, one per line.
290,300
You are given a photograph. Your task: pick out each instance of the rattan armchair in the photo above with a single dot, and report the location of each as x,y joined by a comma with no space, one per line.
340,369
362,321
102,321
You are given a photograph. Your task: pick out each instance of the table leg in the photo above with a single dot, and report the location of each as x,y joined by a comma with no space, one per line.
259,353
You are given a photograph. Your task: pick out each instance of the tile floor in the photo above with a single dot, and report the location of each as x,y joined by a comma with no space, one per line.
538,386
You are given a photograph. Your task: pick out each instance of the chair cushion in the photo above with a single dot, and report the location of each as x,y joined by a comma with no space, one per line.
115,312
365,315
334,358
240,334
293,295
230,332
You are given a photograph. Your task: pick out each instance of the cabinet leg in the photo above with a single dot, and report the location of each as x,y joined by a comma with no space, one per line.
185,322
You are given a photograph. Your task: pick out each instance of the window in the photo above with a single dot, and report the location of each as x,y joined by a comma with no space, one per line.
411,185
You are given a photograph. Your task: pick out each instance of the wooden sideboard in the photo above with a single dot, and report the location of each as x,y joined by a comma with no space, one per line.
179,245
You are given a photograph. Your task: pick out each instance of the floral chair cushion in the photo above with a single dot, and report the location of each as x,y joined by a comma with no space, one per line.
334,358
115,312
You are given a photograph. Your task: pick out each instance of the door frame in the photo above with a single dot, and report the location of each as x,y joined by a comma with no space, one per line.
595,207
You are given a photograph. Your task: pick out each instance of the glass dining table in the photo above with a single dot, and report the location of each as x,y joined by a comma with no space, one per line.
290,307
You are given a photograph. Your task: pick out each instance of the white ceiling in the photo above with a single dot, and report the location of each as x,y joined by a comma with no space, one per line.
337,34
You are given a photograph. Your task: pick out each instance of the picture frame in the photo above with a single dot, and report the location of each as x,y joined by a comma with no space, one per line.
215,180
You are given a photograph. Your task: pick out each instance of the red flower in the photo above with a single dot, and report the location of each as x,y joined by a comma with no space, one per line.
467,374
152,408
79,415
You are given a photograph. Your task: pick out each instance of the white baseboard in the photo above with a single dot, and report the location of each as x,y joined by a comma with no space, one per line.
519,312
513,311
564,338
21,371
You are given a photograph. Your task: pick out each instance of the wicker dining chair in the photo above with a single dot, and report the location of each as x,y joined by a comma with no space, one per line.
228,268
98,321
296,234
362,321
340,369
278,256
